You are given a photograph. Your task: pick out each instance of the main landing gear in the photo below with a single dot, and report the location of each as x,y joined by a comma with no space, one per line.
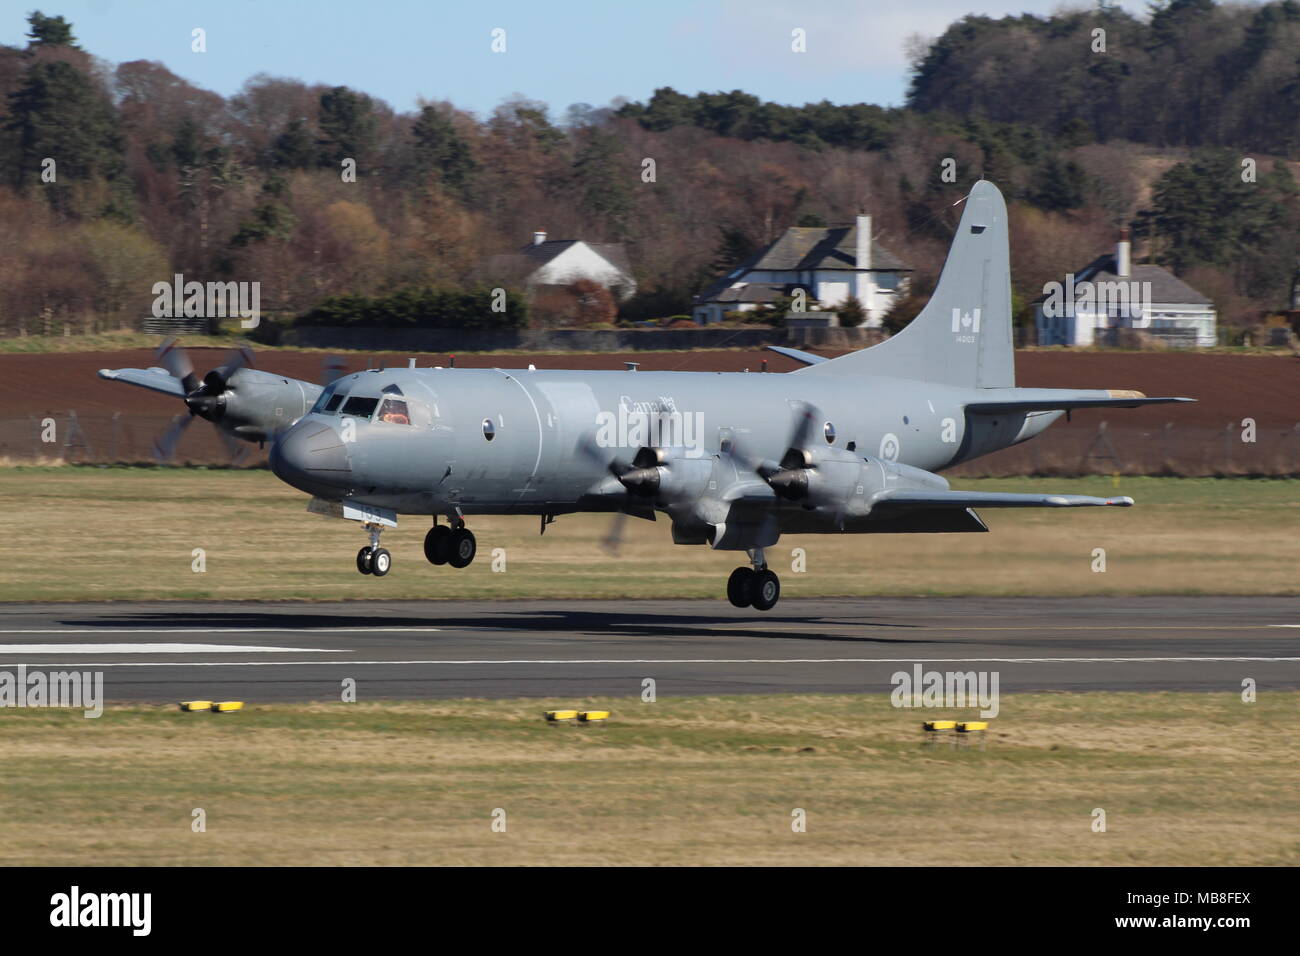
442,545
755,587
450,545
373,559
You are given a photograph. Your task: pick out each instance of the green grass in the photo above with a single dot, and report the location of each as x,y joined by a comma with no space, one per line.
1184,779
129,534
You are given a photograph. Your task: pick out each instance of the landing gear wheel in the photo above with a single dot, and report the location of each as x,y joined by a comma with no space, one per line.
767,590
437,544
740,587
463,548
363,561
380,562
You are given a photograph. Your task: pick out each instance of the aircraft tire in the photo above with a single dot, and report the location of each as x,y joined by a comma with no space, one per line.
767,590
462,548
437,544
381,562
740,587
363,560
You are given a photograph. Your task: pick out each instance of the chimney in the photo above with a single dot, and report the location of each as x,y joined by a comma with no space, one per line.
1122,267
863,251
539,237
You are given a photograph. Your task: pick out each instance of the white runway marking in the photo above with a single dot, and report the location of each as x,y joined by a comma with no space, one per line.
110,629
154,649
1284,625
711,660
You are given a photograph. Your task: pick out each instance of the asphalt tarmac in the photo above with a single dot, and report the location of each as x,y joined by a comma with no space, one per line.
565,649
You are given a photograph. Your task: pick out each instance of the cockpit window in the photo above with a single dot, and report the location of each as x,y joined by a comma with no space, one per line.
360,406
325,397
334,402
392,390
394,411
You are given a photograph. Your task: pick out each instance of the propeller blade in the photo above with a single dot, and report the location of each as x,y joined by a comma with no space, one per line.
589,449
613,539
332,368
236,449
164,446
806,418
174,358
240,358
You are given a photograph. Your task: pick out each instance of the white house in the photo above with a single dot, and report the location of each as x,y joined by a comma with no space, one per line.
562,261
1110,293
830,263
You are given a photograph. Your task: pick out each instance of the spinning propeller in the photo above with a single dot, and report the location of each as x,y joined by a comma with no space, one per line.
205,398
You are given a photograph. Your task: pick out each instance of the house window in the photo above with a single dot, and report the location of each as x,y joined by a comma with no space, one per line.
887,281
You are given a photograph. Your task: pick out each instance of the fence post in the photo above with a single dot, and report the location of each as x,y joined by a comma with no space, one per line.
1101,441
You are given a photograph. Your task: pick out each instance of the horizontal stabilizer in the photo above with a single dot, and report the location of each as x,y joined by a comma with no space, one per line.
807,358
890,500
151,378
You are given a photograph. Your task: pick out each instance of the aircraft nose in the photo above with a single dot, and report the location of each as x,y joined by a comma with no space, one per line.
313,458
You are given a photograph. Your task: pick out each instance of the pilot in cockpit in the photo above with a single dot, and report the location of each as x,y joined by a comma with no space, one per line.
394,412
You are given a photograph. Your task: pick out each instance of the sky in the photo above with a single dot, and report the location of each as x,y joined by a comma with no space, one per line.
558,51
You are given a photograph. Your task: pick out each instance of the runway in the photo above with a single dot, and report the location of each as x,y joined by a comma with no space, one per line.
573,650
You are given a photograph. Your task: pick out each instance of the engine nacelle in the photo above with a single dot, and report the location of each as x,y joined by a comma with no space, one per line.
255,405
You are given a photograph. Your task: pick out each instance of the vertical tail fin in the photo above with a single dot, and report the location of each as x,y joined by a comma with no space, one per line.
963,335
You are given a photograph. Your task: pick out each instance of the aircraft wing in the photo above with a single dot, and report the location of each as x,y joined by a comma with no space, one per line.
152,378
1065,404
927,499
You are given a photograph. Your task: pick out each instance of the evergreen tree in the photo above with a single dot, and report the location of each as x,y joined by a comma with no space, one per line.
1058,185
1203,213
50,31
294,148
439,148
347,125
58,113
604,176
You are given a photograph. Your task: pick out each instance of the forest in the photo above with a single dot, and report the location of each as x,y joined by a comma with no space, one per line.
1184,126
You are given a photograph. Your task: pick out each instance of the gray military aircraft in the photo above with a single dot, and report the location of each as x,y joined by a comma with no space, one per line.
848,445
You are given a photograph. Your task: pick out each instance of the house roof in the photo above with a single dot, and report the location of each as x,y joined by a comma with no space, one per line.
1165,286
533,256
804,249
831,247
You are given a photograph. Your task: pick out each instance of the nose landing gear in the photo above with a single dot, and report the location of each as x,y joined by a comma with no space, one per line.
373,559
756,586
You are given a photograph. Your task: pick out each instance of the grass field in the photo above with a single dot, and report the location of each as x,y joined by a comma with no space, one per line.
1184,779
130,534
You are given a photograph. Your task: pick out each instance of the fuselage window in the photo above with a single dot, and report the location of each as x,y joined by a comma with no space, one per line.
360,406
394,411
